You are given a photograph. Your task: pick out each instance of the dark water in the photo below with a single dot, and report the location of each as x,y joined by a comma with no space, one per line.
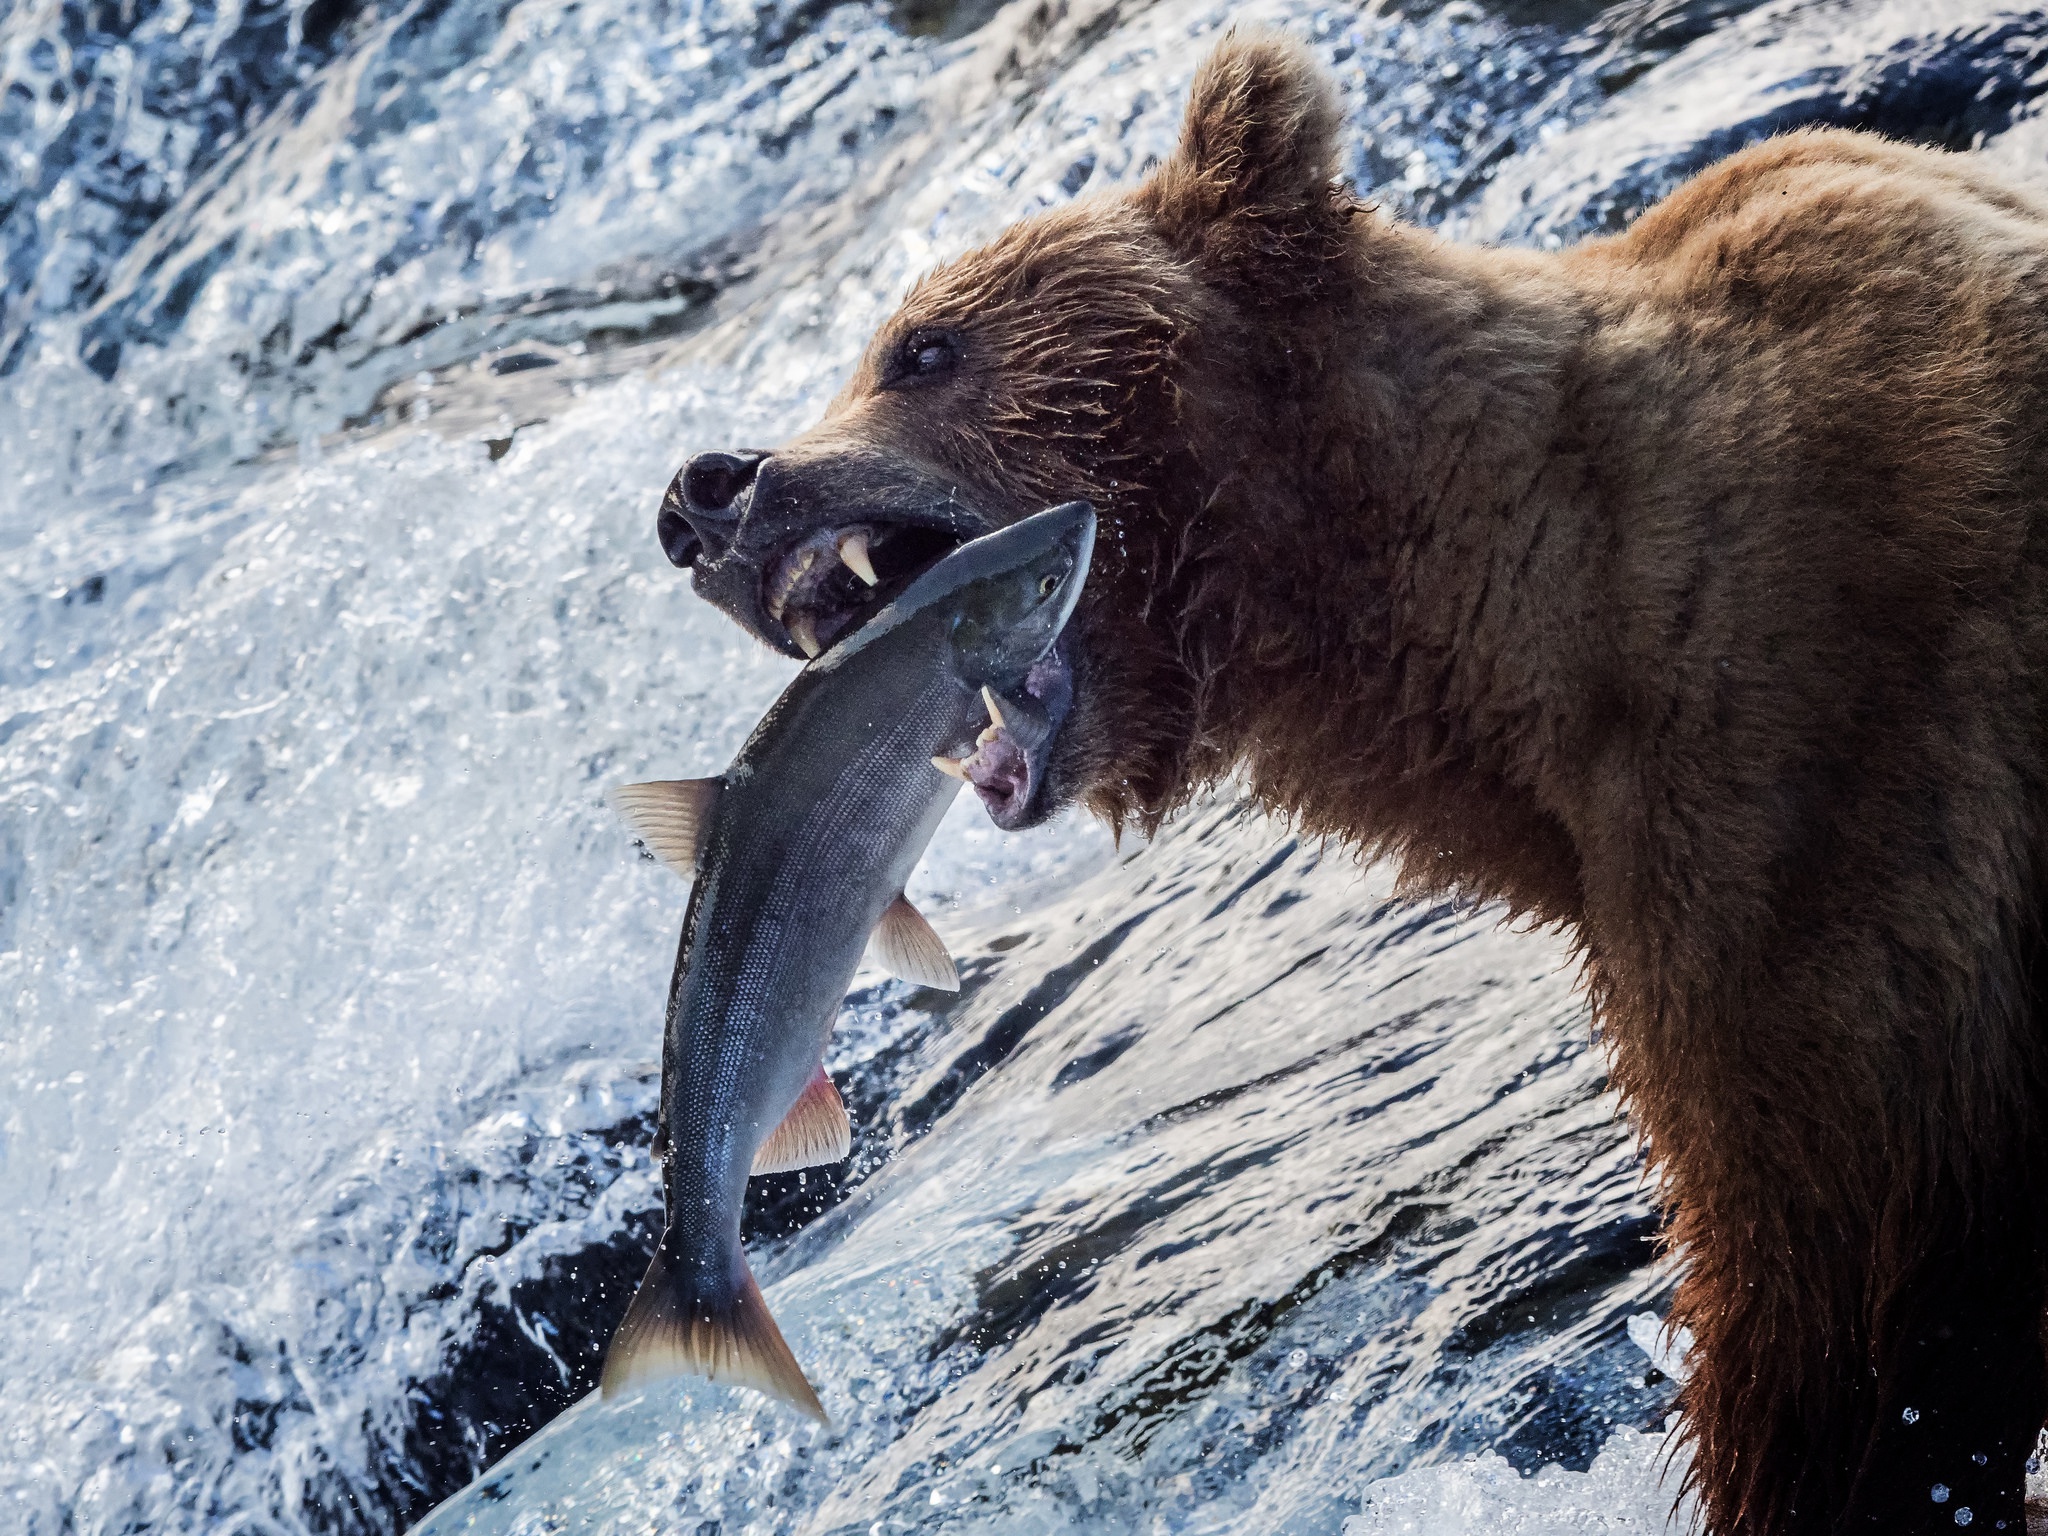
344,351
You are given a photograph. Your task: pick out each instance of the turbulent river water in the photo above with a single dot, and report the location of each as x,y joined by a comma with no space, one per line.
344,351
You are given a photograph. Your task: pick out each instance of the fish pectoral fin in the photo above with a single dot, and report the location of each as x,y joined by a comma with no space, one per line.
905,946
814,1131
670,816
678,1325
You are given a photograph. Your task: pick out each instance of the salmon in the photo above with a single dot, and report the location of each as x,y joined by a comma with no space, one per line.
799,852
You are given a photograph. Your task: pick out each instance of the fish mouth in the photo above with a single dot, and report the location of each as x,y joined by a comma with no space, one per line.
825,585
1007,766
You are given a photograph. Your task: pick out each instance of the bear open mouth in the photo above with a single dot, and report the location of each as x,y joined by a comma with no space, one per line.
832,580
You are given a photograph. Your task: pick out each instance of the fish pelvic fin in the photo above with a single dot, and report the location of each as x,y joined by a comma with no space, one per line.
905,945
670,816
814,1131
670,1332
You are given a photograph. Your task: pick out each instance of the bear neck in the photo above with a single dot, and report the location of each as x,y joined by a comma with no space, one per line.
1394,639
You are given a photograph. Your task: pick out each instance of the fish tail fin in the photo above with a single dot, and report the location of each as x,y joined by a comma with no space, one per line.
673,1329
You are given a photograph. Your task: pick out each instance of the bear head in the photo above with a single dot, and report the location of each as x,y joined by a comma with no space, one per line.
1132,349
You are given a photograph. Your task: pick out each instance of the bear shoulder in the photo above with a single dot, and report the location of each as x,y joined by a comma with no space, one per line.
1832,202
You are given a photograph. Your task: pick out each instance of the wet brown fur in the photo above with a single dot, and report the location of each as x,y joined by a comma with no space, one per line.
1684,588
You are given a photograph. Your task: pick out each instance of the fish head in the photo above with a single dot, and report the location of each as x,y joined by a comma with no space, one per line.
1016,590
1001,603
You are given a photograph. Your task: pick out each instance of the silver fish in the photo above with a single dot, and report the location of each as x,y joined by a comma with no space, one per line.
800,851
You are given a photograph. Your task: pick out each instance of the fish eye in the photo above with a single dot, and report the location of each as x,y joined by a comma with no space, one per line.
1047,585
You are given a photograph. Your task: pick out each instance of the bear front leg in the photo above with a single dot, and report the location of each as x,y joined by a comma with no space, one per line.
1962,1388
1847,1382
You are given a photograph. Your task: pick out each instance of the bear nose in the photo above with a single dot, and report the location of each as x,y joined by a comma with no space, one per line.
679,540
698,510
712,482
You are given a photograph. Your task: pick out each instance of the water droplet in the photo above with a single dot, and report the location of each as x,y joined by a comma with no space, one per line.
1939,1493
1980,1458
1963,1515
1911,1415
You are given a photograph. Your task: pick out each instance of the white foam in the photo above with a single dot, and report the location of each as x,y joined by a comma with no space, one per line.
1630,1487
1632,1484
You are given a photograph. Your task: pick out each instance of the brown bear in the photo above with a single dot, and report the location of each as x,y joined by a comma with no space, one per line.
1685,588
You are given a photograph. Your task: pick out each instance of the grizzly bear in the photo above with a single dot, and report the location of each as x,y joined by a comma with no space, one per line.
1687,589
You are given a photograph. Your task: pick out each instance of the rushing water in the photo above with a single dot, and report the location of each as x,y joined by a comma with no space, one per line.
343,354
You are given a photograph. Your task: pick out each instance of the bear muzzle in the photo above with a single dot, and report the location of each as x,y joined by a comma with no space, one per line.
801,549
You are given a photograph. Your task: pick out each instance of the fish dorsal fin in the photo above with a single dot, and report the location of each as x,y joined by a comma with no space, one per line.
905,946
814,1131
670,817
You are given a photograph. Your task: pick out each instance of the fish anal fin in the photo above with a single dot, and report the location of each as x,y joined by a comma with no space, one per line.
904,945
669,1332
670,816
814,1131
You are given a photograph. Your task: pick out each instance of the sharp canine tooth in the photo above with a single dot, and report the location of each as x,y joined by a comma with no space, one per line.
804,633
995,710
952,767
988,735
853,549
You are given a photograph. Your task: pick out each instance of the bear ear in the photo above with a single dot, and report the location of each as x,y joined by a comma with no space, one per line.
1258,146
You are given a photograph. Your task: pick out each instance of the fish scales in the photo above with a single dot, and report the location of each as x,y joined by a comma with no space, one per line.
800,852
734,994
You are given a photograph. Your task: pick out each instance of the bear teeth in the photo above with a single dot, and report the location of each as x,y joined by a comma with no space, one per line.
804,632
853,549
786,582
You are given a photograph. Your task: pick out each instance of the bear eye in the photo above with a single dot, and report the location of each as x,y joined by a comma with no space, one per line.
924,355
